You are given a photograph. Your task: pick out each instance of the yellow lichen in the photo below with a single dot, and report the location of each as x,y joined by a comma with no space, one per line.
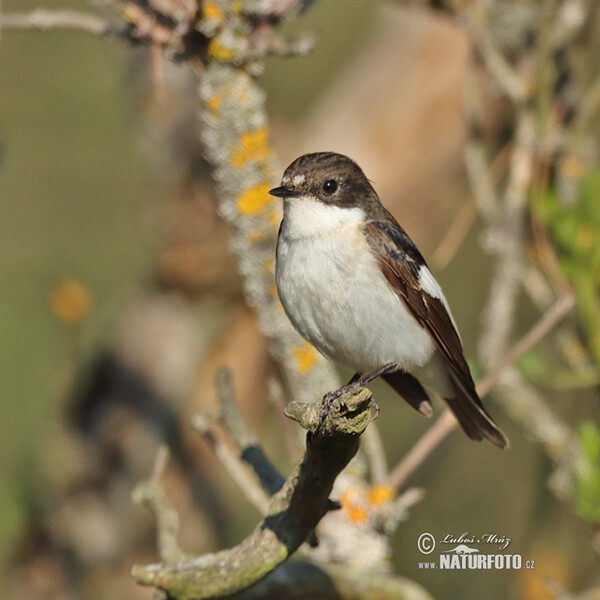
254,200
273,291
586,237
379,494
70,301
214,103
305,356
252,146
220,52
270,265
572,167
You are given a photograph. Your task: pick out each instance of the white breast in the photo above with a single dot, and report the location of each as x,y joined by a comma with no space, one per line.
335,294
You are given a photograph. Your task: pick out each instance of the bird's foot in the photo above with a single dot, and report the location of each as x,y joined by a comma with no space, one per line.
354,384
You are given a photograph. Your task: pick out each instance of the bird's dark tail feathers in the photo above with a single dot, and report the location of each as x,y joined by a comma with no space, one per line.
473,418
411,390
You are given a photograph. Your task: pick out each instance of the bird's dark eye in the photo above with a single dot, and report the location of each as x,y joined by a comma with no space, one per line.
330,186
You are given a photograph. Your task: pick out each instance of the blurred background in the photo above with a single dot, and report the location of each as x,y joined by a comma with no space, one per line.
120,297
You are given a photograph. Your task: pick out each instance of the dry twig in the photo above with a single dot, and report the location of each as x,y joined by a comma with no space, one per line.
446,422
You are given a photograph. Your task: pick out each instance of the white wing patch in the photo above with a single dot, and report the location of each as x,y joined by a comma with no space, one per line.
430,286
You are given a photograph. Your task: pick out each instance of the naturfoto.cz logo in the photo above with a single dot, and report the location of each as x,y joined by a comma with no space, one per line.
462,555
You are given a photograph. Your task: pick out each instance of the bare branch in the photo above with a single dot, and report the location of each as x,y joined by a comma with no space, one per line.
67,20
250,451
231,461
373,448
507,241
541,328
509,79
150,494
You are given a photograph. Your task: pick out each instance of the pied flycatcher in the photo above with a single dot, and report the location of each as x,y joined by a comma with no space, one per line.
356,287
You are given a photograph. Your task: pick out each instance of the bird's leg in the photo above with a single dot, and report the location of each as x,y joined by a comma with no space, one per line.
357,381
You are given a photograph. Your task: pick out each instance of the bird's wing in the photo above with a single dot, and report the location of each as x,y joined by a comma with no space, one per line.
407,272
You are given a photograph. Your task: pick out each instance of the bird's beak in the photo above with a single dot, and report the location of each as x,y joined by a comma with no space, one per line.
282,192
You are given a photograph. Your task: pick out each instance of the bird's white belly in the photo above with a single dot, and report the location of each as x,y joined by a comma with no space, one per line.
336,296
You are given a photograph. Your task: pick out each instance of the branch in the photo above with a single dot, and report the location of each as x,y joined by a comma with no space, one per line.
299,580
332,440
249,451
446,422
150,494
67,20
478,24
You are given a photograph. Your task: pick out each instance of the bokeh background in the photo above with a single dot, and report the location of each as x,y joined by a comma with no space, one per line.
119,298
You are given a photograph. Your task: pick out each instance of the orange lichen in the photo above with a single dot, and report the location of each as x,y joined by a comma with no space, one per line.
212,11
70,301
253,146
254,200
356,514
548,565
380,494
353,505
306,357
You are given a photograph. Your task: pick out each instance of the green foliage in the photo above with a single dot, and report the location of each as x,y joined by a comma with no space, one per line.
587,493
576,232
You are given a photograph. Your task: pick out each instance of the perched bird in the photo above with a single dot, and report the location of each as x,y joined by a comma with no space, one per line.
357,288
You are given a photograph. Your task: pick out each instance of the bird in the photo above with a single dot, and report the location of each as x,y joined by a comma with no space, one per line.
355,286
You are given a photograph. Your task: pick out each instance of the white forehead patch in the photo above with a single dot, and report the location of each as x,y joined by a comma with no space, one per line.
298,179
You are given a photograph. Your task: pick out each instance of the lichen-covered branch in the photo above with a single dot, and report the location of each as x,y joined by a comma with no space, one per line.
235,135
332,440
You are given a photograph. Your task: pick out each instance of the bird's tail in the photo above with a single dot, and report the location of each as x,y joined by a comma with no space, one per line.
411,390
473,418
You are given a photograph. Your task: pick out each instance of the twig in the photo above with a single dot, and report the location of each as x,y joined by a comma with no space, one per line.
446,422
291,439
508,246
504,74
231,462
541,328
68,20
250,451
332,440
150,494
373,448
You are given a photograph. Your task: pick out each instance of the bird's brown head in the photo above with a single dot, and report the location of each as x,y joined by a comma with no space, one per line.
327,177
